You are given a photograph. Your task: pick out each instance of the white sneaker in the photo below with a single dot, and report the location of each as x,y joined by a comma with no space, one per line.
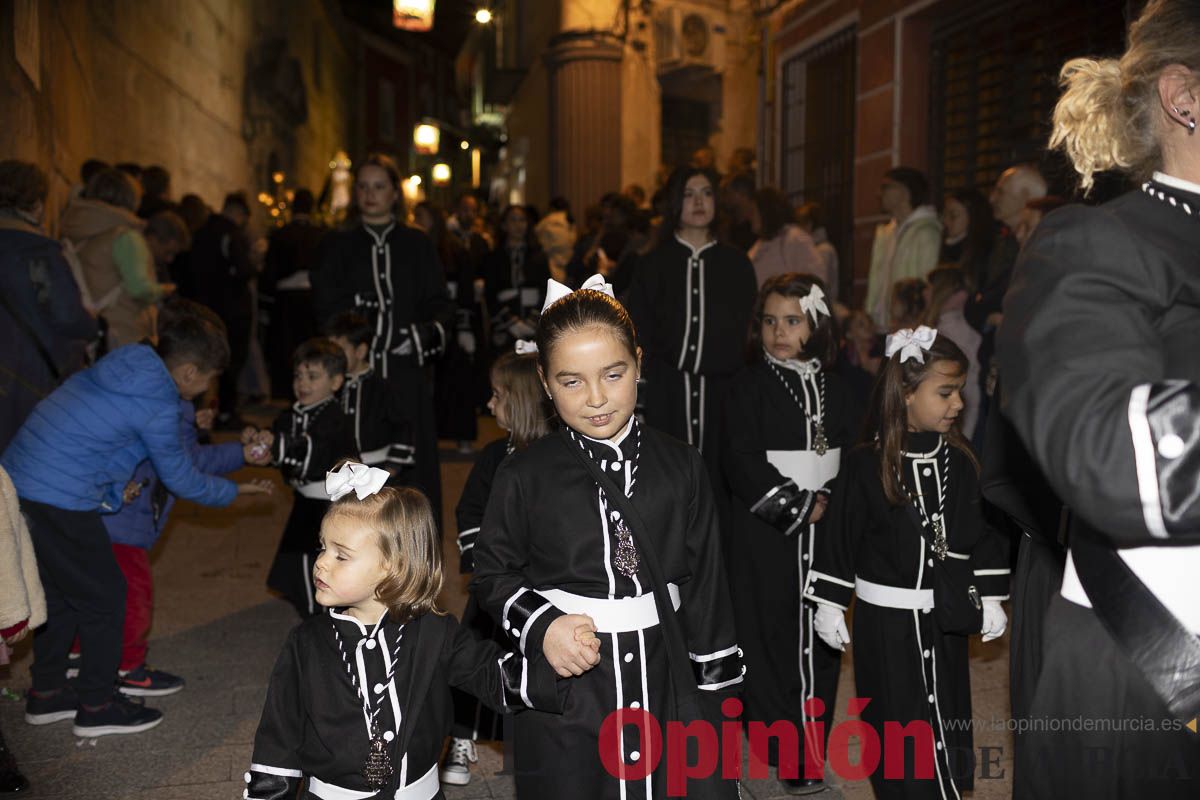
456,767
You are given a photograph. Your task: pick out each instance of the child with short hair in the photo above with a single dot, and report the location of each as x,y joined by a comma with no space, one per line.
70,462
309,439
359,702
382,431
519,406
906,535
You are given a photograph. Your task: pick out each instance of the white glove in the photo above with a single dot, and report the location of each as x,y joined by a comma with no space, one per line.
466,342
830,624
994,620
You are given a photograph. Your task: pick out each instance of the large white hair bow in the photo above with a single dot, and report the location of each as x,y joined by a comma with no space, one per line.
814,302
354,477
910,343
556,291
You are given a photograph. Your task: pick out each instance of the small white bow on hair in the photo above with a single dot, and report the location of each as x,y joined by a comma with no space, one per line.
814,302
910,343
364,481
526,347
556,291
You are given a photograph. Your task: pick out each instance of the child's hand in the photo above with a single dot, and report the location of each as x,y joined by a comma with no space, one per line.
131,491
259,486
257,454
205,417
565,653
819,506
264,438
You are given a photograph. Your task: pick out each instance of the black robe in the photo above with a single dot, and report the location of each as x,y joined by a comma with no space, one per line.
285,297
394,279
692,310
515,282
309,441
1101,379
461,380
313,724
544,530
903,663
774,473
472,719
382,433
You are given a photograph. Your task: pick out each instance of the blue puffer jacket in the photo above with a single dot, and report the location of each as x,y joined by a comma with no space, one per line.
79,447
140,523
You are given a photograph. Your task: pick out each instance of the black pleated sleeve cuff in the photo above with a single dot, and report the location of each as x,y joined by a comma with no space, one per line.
526,617
1164,421
829,589
271,783
718,670
786,507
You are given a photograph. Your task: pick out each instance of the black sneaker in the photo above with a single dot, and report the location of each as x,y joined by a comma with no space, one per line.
146,682
48,707
11,780
118,715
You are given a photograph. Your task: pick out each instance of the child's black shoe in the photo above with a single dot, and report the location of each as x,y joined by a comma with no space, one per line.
43,708
146,682
118,715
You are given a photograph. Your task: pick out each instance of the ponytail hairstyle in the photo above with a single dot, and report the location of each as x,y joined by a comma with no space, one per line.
886,424
402,520
586,308
524,399
823,336
1109,115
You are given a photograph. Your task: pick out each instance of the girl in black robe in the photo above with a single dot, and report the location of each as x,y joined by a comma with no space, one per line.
901,504
359,701
390,273
691,300
515,276
553,545
785,427
518,405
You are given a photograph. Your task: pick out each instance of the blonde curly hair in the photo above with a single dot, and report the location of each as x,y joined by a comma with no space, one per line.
1109,115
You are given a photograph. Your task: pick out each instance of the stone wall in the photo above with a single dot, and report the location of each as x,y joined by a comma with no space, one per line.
164,82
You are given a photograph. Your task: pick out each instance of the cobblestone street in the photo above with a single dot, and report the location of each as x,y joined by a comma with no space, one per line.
216,625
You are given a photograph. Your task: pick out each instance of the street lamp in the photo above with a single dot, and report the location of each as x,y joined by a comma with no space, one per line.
413,15
441,174
483,16
426,139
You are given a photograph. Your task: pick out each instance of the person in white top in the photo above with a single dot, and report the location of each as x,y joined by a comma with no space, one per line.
1101,379
811,219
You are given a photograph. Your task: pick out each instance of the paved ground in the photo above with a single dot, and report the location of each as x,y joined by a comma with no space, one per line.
217,625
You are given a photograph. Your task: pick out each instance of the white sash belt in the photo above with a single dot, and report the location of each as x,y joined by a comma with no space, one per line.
877,594
612,616
424,788
372,457
313,491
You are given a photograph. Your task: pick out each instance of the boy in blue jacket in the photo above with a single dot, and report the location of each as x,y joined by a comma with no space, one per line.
70,462
134,530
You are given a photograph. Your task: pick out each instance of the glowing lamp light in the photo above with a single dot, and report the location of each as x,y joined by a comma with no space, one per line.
483,16
413,15
441,174
464,145
415,180
426,139
277,177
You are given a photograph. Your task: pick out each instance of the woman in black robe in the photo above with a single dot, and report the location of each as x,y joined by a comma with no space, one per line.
390,273
691,300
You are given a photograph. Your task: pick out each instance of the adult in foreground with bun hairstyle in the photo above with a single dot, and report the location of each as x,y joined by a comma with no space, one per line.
1097,357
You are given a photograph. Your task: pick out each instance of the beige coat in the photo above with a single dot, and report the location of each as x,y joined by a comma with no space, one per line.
21,596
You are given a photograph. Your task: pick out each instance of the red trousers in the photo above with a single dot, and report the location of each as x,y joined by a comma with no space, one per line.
139,604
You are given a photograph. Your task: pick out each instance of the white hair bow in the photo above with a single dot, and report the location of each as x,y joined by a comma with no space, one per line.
910,343
556,291
526,346
354,477
814,302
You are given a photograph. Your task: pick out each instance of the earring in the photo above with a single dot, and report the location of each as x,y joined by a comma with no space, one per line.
1185,113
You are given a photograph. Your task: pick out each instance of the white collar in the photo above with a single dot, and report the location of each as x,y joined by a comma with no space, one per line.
299,409
353,380
362,628
941,440
695,250
805,367
615,442
1176,183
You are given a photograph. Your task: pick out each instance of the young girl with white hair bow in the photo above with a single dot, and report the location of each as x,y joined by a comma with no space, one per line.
359,702
905,534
